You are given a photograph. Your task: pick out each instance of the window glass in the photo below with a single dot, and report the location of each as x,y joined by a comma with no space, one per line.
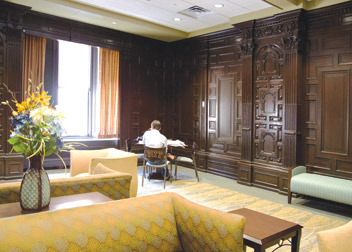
74,83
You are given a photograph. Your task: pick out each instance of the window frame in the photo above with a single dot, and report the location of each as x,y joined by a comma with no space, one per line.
51,82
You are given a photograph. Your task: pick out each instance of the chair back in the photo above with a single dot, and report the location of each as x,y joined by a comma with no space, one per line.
155,154
128,144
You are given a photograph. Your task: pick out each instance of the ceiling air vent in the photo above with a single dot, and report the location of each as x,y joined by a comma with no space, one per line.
196,12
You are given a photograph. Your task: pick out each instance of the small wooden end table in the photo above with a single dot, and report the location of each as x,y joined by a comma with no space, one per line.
263,231
63,202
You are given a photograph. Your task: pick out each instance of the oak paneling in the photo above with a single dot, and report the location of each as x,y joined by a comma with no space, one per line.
327,82
334,104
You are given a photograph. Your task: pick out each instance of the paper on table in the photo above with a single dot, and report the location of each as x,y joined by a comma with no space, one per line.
173,143
176,143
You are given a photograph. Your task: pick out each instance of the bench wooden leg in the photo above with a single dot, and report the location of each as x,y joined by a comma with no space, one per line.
289,195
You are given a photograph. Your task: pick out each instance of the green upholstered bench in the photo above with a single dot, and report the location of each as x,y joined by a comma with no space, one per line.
319,186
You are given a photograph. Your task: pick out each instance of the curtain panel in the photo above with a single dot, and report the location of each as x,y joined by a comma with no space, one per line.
109,96
33,63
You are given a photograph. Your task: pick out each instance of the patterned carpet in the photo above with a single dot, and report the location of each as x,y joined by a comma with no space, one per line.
226,200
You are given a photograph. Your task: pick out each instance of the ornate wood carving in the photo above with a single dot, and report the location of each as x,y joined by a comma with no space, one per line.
247,48
268,103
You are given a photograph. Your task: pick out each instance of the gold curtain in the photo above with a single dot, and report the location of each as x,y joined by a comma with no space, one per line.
33,62
109,97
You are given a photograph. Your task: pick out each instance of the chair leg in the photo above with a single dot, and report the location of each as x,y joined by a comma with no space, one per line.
175,170
165,169
143,175
170,173
196,171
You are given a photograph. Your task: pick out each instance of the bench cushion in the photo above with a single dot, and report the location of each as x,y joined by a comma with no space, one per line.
324,187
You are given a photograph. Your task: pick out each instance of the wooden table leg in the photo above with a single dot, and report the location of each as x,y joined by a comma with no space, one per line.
296,241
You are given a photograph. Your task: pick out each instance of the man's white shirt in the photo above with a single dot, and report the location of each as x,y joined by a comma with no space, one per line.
154,139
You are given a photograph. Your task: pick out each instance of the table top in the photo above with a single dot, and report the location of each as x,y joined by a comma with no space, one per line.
262,228
63,202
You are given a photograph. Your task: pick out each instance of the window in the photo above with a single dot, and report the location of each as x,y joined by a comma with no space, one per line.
78,95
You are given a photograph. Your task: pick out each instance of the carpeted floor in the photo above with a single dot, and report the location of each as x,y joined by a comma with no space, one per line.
226,200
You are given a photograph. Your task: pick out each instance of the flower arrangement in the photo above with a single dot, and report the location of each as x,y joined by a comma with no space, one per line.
36,126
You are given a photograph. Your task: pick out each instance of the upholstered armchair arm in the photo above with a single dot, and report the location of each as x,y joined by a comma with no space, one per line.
114,185
204,229
10,192
125,162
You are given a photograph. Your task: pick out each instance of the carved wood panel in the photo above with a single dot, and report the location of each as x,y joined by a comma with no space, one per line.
268,104
328,91
224,98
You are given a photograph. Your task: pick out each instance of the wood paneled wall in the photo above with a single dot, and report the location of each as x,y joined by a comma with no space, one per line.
257,98
276,93
328,92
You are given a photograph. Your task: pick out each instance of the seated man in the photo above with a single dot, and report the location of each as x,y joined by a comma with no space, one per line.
154,139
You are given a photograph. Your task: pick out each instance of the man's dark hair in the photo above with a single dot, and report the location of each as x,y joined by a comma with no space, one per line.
156,125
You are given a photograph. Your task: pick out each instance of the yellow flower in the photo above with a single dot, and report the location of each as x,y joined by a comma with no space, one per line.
14,113
44,98
35,99
21,107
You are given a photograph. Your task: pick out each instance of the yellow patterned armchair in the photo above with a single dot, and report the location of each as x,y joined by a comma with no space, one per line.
162,222
84,162
336,239
115,185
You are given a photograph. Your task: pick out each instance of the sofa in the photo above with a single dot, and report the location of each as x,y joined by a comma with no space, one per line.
83,162
115,185
161,222
319,186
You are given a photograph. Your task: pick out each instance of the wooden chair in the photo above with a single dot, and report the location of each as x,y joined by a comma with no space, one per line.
154,155
128,144
188,160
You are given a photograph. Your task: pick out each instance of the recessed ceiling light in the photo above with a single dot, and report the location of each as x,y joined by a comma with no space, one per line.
113,22
219,5
177,19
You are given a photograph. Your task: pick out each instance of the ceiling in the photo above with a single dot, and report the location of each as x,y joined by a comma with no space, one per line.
155,18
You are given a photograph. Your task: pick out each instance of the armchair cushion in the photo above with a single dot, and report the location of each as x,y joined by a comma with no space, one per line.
101,169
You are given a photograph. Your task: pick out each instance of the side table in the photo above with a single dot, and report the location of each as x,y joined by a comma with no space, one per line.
263,231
